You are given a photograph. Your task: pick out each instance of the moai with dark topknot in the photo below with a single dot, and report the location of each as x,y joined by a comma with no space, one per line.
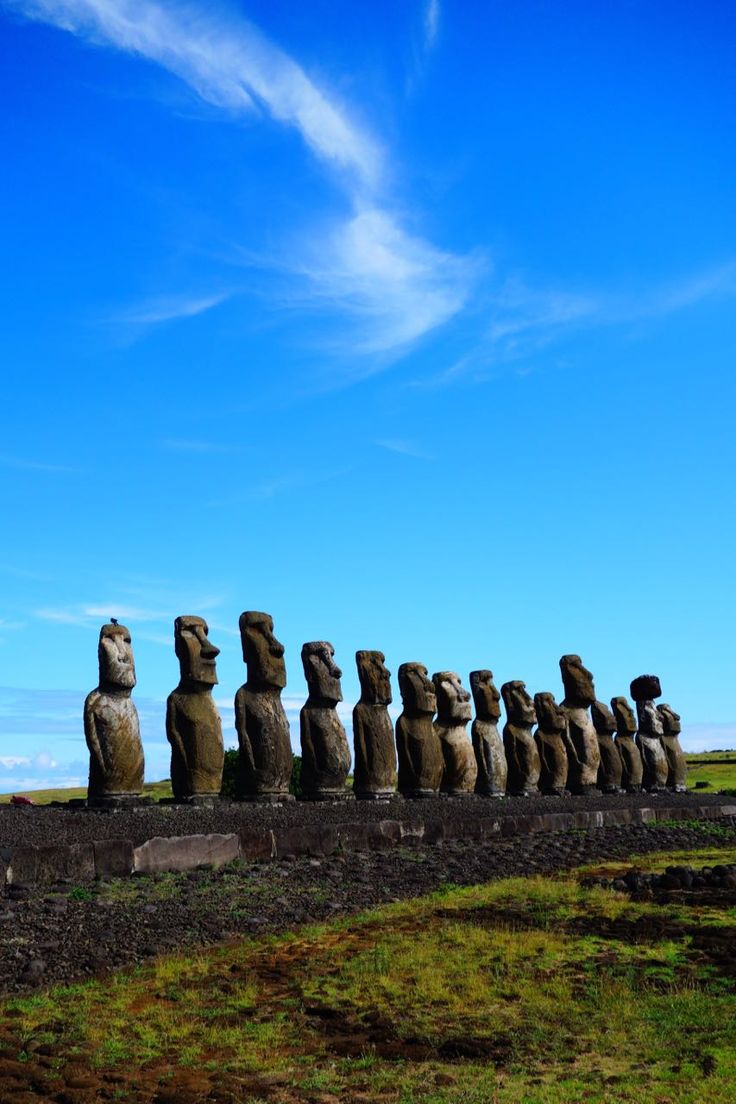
263,730
611,770
644,690
487,742
631,761
453,714
421,763
193,725
551,744
111,726
374,774
522,756
676,762
325,751
583,754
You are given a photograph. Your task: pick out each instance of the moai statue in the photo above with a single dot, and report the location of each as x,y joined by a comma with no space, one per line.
522,755
421,763
263,730
325,751
193,725
644,690
611,770
676,763
374,774
583,753
633,768
453,714
487,742
551,745
111,726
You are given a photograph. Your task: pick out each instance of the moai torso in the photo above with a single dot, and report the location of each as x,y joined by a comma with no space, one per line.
264,736
550,739
631,761
676,762
193,725
522,755
453,714
111,726
610,772
325,751
490,756
644,690
374,774
583,754
421,764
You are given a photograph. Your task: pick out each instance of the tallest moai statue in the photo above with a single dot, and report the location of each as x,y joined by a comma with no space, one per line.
111,725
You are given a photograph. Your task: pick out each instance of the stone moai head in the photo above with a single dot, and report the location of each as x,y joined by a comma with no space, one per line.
115,656
375,678
550,717
321,672
670,720
625,720
417,691
262,652
645,688
604,721
578,682
485,696
195,651
519,706
453,700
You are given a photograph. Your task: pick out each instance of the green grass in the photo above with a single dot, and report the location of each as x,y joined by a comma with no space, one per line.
155,790
716,768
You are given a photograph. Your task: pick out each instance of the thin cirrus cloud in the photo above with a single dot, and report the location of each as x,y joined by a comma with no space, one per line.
408,287
169,309
403,447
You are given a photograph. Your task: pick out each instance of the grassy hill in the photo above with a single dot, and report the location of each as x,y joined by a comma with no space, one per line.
44,797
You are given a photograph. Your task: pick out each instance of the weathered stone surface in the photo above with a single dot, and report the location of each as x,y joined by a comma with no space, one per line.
550,738
374,774
160,854
453,714
522,755
631,761
676,762
610,771
325,751
256,844
111,726
44,864
193,725
114,858
263,730
583,753
421,763
650,733
645,688
487,741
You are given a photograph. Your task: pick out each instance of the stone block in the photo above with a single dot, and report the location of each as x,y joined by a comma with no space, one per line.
256,844
34,865
384,834
434,831
291,843
354,837
163,853
114,858
20,865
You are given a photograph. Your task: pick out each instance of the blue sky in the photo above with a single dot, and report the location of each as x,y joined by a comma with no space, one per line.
410,323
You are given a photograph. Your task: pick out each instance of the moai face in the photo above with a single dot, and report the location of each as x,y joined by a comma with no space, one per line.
453,700
115,655
196,652
625,720
417,690
549,715
519,706
578,681
262,652
321,672
485,695
375,678
670,720
604,721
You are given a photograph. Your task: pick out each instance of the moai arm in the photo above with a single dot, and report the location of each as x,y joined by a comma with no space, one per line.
359,742
241,727
572,752
173,732
90,732
307,743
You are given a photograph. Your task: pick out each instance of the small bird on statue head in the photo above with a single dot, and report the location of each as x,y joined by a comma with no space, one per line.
114,621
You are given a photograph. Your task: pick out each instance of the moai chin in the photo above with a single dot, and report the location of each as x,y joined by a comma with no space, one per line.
644,690
631,761
263,730
551,744
583,753
193,725
421,763
610,772
111,726
374,773
522,755
487,742
676,762
325,751
453,714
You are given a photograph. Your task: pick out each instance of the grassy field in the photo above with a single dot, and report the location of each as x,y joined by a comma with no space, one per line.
44,797
525,991
716,768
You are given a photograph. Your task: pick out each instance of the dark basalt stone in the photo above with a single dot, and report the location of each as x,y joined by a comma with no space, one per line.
374,774
193,725
264,736
421,763
550,738
487,740
522,754
325,751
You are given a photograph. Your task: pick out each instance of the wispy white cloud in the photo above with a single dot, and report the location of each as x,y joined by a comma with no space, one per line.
24,464
402,446
184,444
431,23
93,613
170,308
281,484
